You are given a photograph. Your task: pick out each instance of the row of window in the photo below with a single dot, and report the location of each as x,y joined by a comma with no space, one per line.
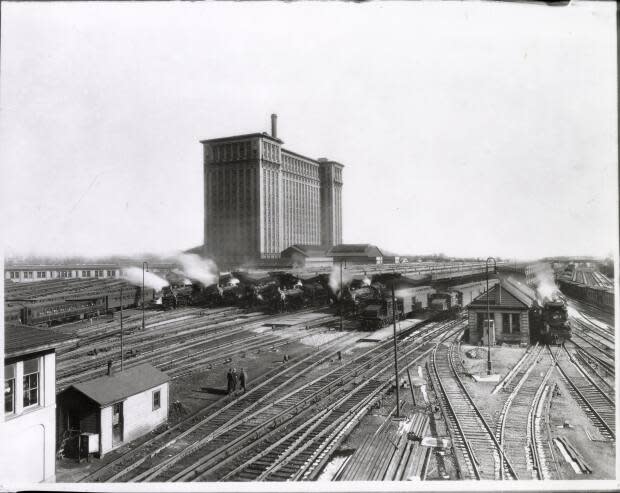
234,151
511,322
30,384
298,166
59,273
271,152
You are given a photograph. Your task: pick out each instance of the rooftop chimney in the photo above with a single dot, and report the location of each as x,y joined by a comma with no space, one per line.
274,125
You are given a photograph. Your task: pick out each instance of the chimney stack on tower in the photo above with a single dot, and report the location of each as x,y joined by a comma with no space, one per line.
274,126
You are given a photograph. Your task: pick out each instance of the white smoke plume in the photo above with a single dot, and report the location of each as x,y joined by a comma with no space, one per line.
366,281
335,281
546,288
199,269
186,281
134,276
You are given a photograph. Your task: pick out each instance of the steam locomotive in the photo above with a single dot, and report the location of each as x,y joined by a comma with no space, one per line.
550,322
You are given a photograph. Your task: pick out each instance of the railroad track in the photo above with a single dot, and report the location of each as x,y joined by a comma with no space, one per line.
219,435
517,415
301,452
476,448
596,403
139,459
186,347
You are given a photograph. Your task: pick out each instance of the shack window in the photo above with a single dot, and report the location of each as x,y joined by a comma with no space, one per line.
31,382
156,400
505,322
9,389
516,322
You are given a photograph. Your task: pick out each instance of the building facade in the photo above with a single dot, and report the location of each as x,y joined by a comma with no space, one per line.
28,424
508,311
260,198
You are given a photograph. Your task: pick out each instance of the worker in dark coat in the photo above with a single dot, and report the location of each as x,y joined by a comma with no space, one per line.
243,379
235,379
229,378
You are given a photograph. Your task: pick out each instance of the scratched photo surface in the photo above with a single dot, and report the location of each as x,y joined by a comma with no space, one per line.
346,245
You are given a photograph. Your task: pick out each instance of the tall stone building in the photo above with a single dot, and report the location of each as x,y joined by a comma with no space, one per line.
261,198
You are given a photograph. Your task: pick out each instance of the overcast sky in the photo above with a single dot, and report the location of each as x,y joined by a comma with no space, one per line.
469,129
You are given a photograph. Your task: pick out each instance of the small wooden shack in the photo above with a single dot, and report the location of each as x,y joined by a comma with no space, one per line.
115,409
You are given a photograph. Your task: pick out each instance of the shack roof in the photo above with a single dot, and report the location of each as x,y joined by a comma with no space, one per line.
107,390
505,295
354,250
305,250
20,340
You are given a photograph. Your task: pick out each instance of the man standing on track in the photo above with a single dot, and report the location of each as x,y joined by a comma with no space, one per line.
243,379
229,378
235,380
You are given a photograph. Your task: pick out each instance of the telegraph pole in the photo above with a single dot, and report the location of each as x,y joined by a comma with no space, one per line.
147,266
122,352
341,297
489,368
395,352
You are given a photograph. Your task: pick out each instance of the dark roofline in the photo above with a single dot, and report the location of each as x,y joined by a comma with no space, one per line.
288,151
11,351
240,137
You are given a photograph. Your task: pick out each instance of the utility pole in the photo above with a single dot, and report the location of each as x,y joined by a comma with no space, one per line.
341,297
147,266
395,352
122,352
489,368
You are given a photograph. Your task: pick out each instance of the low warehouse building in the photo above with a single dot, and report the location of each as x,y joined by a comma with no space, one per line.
300,256
355,254
114,409
509,307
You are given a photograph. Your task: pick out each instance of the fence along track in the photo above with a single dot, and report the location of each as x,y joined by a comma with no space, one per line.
478,448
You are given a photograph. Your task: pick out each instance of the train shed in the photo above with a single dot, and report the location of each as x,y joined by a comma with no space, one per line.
509,307
112,410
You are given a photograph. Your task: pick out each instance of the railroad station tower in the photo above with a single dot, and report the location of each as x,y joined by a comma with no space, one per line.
261,198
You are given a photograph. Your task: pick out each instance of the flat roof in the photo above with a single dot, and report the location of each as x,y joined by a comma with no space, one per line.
20,340
241,137
107,390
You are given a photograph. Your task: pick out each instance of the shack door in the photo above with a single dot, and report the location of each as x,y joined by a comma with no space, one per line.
117,423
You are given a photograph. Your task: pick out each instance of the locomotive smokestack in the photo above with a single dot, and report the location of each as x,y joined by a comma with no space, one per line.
274,126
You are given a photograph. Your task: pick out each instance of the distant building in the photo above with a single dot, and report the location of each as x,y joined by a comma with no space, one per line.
355,254
48,272
115,409
28,423
261,198
509,307
299,256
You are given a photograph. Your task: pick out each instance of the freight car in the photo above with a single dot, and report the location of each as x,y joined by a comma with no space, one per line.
599,296
445,304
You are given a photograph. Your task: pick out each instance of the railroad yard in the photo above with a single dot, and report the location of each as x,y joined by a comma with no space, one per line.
321,402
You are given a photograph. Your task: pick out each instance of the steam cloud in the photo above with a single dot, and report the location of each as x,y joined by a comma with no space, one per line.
546,288
134,276
195,267
335,281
